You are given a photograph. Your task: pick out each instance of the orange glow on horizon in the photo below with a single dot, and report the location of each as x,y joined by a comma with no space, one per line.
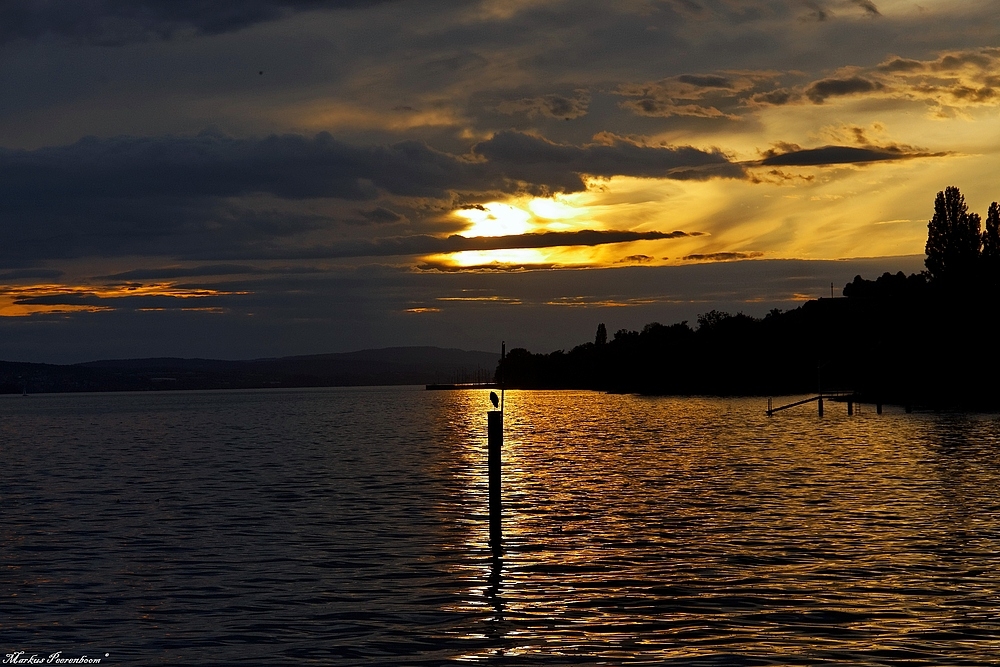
12,297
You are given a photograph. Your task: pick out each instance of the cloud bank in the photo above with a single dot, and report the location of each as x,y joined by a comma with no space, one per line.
218,196
114,23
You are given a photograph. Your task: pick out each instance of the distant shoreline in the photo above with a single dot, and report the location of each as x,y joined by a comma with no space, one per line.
382,367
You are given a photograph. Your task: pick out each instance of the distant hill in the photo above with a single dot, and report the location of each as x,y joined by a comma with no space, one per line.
387,366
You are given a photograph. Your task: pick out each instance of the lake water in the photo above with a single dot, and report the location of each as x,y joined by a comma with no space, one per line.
349,527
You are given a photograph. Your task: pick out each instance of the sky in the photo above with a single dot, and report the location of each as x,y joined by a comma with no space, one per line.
261,178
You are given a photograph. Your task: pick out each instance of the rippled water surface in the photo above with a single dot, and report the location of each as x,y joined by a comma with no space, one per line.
349,527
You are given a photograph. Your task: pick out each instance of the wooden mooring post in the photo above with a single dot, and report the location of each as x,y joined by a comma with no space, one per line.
494,458
495,451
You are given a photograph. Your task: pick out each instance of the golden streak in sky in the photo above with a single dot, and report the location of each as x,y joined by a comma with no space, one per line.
532,215
15,300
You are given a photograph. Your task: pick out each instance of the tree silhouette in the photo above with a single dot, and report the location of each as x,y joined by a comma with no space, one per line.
991,245
602,334
953,239
712,320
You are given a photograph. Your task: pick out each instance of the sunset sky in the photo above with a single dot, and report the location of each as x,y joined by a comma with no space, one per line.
250,178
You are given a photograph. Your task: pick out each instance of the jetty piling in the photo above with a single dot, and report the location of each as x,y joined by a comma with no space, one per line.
494,457
495,445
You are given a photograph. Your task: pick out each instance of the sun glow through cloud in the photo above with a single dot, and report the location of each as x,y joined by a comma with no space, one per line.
561,213
577,212
510,257
496,219
516,217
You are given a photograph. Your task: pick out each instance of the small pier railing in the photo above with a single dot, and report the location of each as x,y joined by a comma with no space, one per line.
848,397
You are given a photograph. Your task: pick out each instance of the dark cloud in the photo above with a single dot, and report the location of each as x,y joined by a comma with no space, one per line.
868,6
778,176
983,59
959,78
214,165
131,195
536,160
817,12
902,65
706,81
122,301
116,22
553,106
25,274
774,97
168,272
967,93
380,215
423,244
109,227
212,195
298,167
717,96
722,256
820,90
664,107
954,79
838,155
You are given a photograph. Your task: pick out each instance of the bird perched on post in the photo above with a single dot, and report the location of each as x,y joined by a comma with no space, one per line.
494,399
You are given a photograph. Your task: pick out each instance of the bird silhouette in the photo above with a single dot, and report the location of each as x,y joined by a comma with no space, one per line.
494,399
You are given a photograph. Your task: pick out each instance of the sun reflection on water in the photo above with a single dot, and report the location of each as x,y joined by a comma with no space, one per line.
658,529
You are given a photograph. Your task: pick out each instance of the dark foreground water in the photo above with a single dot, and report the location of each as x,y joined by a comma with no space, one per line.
348,527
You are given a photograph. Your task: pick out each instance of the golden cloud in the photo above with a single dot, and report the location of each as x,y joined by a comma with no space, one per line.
24,300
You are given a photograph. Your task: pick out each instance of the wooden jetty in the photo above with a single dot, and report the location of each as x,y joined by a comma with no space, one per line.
848,397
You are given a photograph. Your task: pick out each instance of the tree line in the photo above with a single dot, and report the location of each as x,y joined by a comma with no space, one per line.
961,255
906,339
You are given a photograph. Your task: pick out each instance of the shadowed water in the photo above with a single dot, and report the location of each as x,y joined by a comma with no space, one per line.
348,526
